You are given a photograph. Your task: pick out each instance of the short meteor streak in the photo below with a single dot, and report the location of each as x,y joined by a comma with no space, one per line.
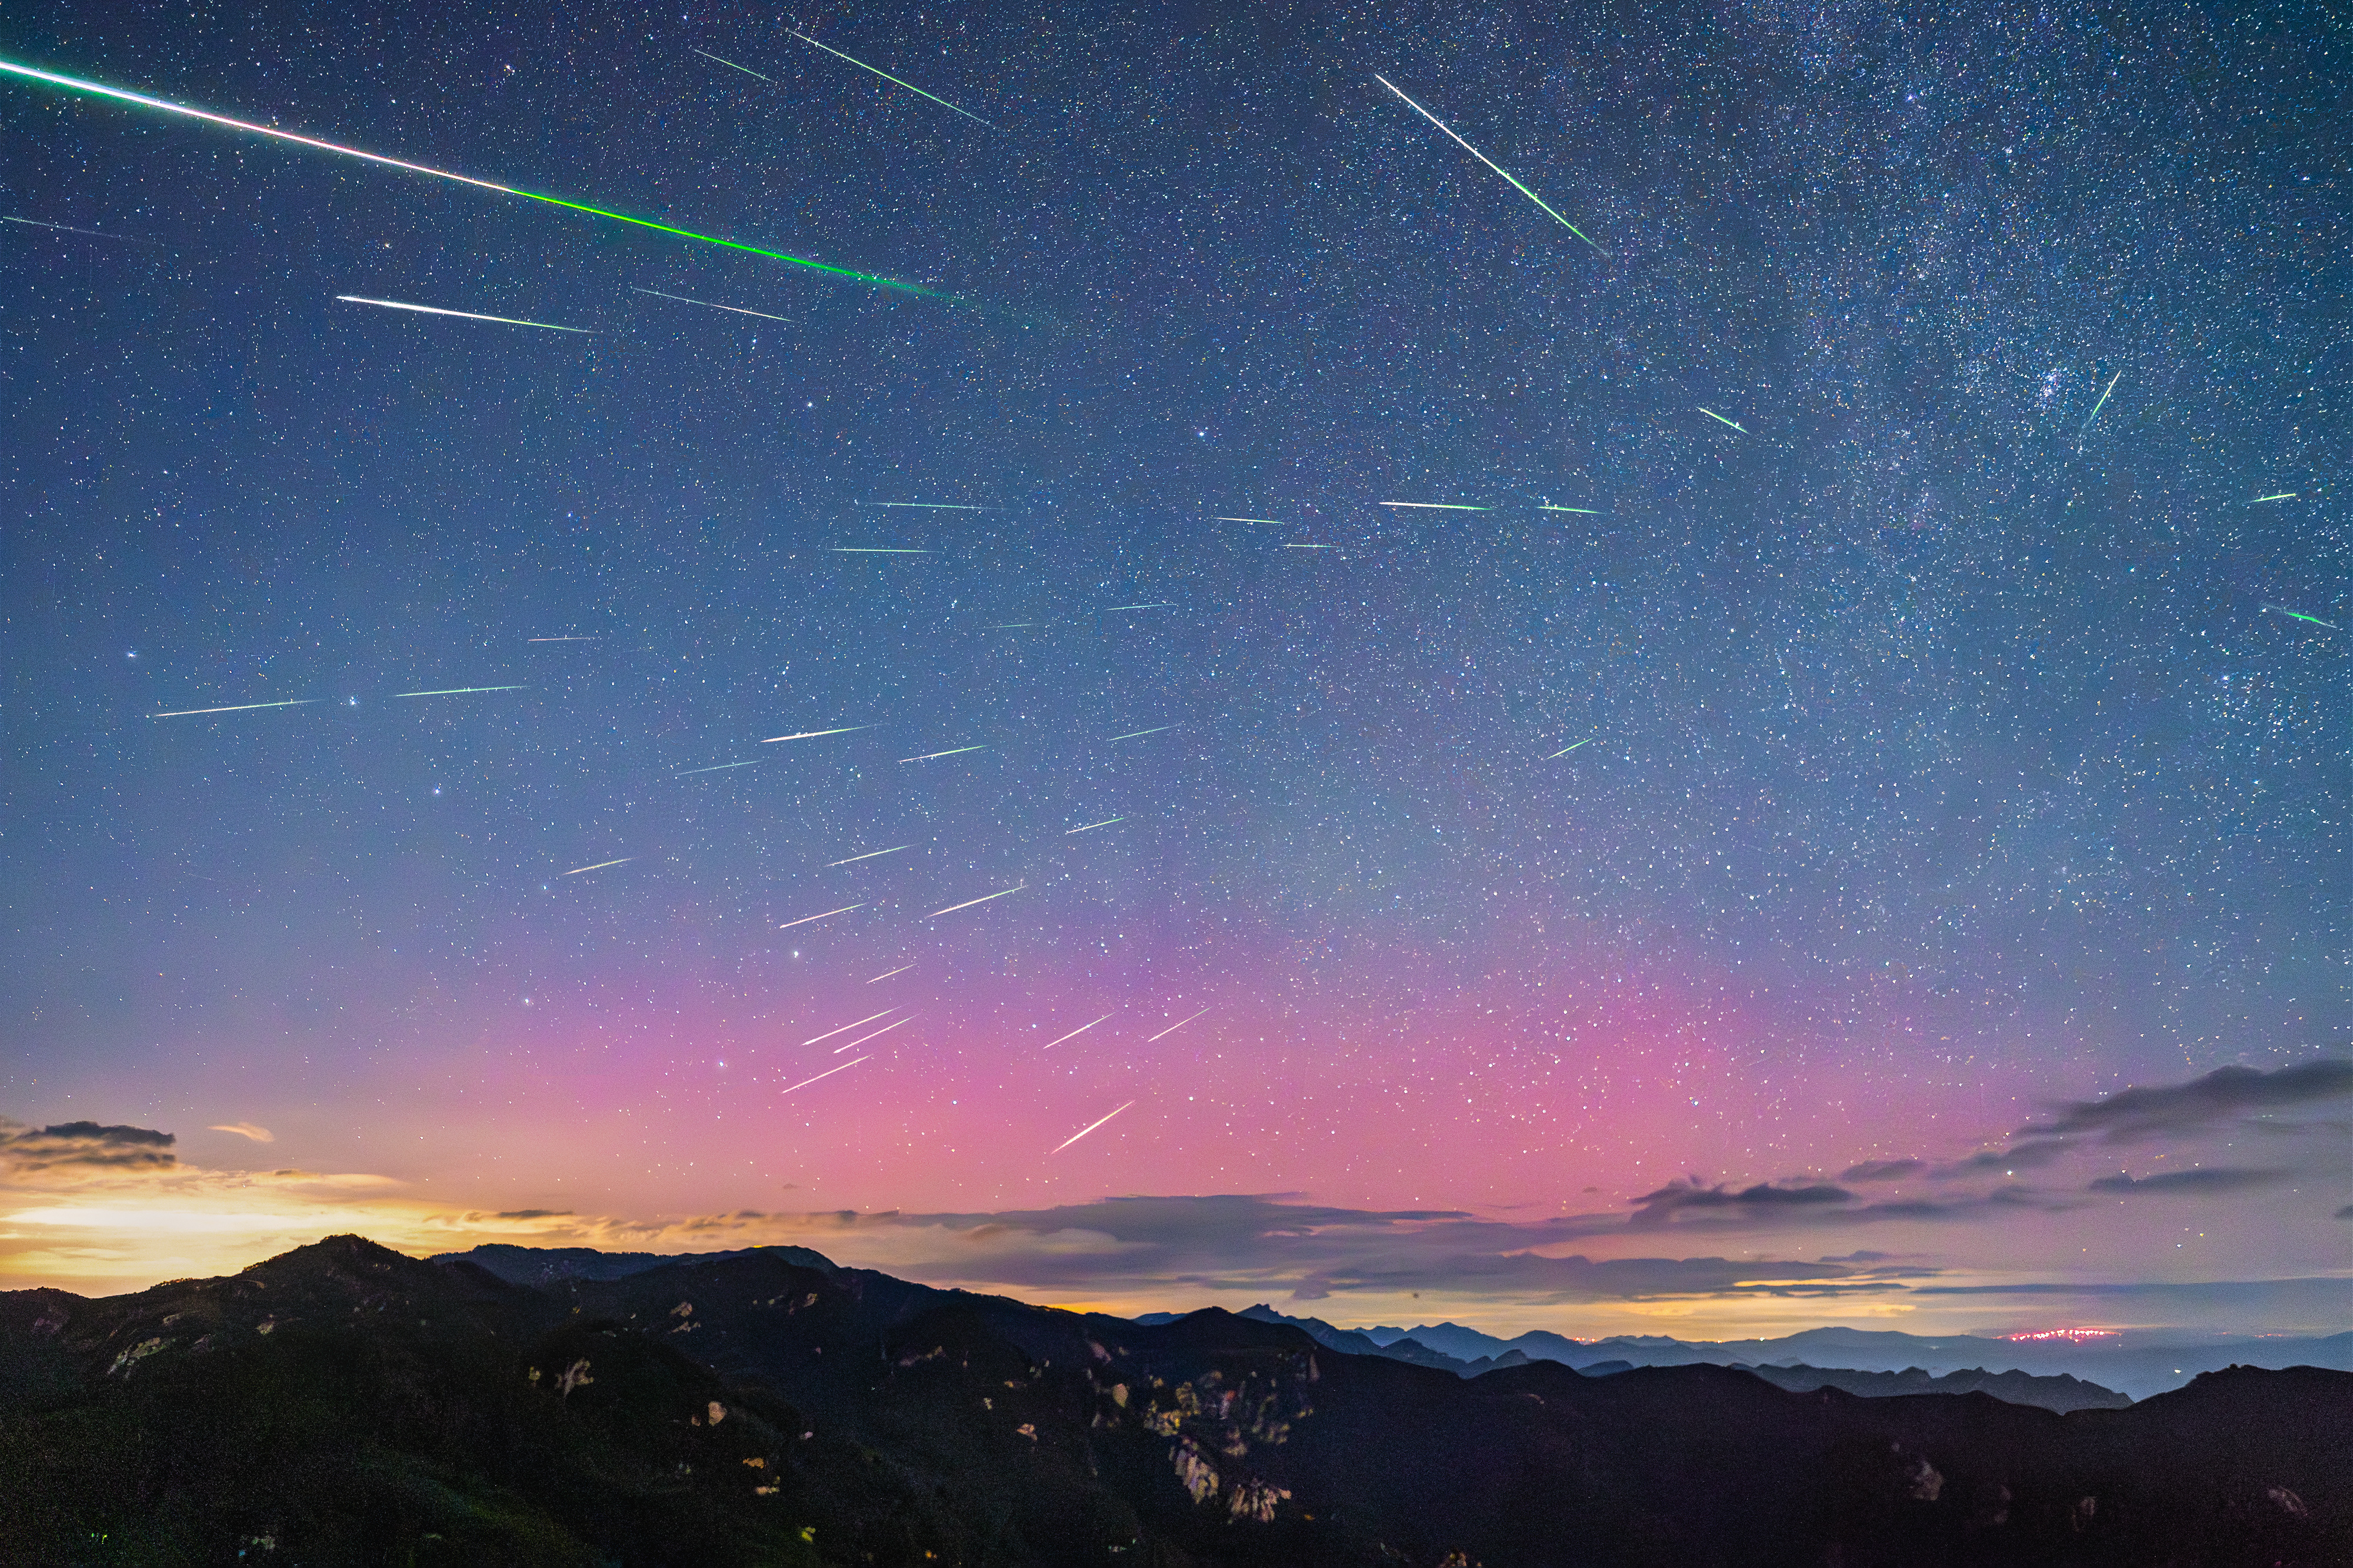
869,855
1090,826
2299,616
932,505
234,708
460,691
730,64
1585,510
1082,1133
707,305
951,751
883,1030
1009,626
828,1073
1132,734
1174,1027
887,972
461,315
847,1027
559,639
874,550
827,916
68,229
813,734
886,76
1164,604
2283,495
1433,506
100,89
1566,750
969,902
1488,161
600,865
1311,547
1720,419
2103,403
1276,521
715,768
1074,1034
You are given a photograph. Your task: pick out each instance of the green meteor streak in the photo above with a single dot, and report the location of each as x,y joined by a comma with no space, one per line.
2297,615
2283,495
1585,510
2103,403
100,89
1719,418
1566,750
886,76
1488,161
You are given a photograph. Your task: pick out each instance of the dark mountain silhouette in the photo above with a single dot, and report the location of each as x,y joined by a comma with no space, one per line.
345,1405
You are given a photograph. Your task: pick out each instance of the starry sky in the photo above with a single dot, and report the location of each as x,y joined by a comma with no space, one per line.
1792,733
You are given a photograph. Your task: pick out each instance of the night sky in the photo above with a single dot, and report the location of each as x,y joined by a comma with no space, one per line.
1713,745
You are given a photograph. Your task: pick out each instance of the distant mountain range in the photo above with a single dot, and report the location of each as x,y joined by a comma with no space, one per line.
345,1405
2137,1365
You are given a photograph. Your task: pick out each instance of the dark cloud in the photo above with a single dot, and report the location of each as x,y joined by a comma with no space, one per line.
2345,1213
2029,1155
1860,1257
2204,1179
531,1213
1660,1207
1883,1169
2222,1095
86,1145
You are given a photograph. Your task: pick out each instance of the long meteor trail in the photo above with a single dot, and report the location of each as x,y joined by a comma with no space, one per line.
120,95
1083,1132
883,1030
1719,418
235,708
869,855
1174,1027
461,315
68,229
813,734
2300,616
730,64
1074,1034
1488,161
1434,505
828,1073
847,1027
828,915
2103,403
886,76
600,865
460,691
969,902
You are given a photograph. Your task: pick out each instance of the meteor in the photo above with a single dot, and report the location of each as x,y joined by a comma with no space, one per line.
828,1073
1074,1034
828,915
952,752
2299,616
559,639
883,1030
707,305
1132,734
869,855
932,505
1311,547
969,902
460,691
1433,505
1090,826
847,1027
600,865
68,229
1488,161
2103,403
715,768
1174,1027
873,550
730,64
813,734
887,972
2283,495
234,707
1585,510
461,315
1164,604
1719,418
1082,1133
886,76
1009,625
1566,750
1276,521
99,89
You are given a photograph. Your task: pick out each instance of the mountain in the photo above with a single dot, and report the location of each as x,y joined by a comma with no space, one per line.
2059,1393
342,1405
2137,1364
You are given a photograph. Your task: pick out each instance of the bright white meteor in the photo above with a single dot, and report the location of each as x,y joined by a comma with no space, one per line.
1082,1133
234,707
828,915
1488,161
883,1030
813,734
828,1073
1074,1034
1174,1027
459,691
969,902
847,1027
869,855
1434,505
600,865
462,315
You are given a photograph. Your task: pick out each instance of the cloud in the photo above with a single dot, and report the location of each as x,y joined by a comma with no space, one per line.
1660,1207
2204,1179
2030,1155
246,1130
1883,1169
83,1146
2222,1095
